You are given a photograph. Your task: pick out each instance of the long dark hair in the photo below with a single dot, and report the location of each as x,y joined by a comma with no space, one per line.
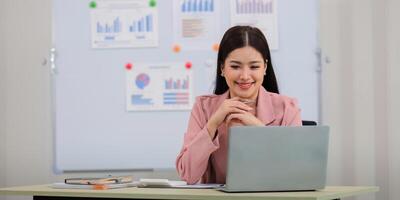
238,37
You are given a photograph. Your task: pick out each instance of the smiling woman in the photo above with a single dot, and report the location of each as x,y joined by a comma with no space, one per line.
244,71
246,94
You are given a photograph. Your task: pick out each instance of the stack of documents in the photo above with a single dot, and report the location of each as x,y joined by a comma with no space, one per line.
97,180
123,182
96,183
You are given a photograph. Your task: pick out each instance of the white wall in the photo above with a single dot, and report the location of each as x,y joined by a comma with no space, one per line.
393,90
26,140
2,100
361,92
381,113
27,136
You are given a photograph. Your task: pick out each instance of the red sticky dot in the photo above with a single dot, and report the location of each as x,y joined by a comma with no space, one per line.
128,66
188,65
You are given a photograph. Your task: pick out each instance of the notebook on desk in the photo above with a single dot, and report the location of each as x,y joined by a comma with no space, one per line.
276,158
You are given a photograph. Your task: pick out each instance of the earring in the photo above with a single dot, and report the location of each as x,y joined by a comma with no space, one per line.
222,74
265,73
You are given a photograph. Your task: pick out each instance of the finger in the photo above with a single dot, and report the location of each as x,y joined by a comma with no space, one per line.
233,116
228,119
234,110
241,105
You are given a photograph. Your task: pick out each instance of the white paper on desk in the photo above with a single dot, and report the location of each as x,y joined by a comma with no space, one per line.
200,186
160,183
165,183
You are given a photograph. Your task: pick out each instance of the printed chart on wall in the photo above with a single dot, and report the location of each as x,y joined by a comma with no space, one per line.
196,24
259,13
124,24
152,87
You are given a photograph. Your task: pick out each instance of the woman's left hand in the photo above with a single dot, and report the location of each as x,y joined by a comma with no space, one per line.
246,118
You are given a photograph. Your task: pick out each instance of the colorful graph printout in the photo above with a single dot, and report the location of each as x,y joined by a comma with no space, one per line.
159,87
259,13
124,24
196,23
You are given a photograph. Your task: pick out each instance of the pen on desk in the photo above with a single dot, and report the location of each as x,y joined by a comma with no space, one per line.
104,181
100,187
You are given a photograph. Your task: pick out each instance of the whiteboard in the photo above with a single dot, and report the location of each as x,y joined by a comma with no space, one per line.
93,130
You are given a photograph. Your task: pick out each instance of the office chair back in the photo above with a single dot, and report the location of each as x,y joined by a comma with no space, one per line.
309,123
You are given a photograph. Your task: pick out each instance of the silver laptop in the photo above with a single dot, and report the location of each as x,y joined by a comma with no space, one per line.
276,158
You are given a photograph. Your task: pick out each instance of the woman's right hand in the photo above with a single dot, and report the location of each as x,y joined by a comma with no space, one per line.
229,106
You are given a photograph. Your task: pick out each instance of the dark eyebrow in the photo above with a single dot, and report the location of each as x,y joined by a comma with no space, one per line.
236,62
252,62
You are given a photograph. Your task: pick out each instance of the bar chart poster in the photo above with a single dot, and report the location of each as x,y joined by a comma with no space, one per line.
196,23
259,13
124,24
157,87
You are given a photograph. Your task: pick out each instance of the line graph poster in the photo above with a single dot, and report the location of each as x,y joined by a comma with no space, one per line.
153,87
124,24
260,13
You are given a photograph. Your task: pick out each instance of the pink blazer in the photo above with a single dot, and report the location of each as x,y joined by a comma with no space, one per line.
203,159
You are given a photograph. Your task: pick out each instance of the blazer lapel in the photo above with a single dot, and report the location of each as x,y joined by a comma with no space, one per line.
222,128
219,101
265,110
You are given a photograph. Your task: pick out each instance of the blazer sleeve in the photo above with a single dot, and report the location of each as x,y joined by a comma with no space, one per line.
192,161
292,113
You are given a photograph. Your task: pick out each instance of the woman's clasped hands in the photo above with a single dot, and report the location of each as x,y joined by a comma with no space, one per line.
233,112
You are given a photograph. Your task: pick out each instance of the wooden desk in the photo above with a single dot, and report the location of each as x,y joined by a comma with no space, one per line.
41,192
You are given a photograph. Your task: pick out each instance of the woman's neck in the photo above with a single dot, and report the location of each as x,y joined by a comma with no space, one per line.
251,99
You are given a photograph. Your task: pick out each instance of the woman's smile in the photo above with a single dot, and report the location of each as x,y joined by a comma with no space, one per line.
244,85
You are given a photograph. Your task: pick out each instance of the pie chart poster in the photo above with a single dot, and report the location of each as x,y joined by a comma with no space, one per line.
156,87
